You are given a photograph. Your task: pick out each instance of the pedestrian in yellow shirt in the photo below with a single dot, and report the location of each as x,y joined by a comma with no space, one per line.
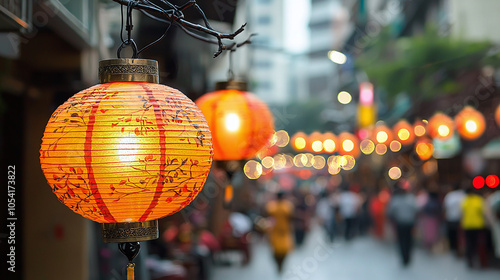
280,233
473,224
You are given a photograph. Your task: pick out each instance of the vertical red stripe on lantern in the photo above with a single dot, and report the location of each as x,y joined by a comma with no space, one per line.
161,131
88,160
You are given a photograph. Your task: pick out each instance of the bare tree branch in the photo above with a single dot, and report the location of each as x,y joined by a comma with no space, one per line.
174,15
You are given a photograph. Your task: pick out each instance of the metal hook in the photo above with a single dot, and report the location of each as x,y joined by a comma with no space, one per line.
127,43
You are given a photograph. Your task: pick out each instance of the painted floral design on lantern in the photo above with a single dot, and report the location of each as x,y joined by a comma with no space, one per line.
121,152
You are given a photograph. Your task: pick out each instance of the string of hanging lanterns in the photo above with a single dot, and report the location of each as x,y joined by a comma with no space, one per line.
469,123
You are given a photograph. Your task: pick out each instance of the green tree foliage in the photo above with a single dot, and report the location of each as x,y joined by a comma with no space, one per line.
425,65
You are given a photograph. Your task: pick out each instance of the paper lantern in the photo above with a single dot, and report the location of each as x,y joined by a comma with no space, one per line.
470,123
299,141
404,132
382,135
240,122
330,142
440,126
128,151
348,144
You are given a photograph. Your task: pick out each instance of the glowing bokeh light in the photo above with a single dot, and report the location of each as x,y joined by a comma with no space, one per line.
337,57
267,162
344,97
478,182
367,146
492,181
319,162
282,138
395,146
394,173
381,149
252,169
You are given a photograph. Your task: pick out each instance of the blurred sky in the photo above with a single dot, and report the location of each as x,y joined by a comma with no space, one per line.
296,17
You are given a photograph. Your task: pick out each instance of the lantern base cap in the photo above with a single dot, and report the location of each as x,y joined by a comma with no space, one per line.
130,232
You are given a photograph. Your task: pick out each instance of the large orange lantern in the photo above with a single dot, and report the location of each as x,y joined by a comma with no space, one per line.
241,123
440,126
470,123
330,142
404,133
127,152
299,141
382,135
348,144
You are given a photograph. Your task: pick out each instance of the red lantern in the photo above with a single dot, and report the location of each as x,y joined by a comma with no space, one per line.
404,132
348,144
127,152
470,123
440,126
241,123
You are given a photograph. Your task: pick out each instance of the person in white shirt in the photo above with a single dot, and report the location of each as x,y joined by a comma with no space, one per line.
349,203
453,213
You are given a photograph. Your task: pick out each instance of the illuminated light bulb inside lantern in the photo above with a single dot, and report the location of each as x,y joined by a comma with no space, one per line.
367,146
382,136
403,134
471,126
395,146
127,149
329,145
232,122
443,130
252,169
348,145
381,149
267,162
317,146
319,162
419,130
300,143
394,173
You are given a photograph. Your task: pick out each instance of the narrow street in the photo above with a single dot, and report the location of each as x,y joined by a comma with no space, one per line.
362,258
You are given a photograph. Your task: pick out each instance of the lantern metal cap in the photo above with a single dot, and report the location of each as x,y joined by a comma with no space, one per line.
232,84
128,70
130,232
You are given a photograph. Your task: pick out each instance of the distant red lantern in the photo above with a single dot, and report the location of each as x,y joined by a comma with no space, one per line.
404,132
348,144
470,123
440,126
241,123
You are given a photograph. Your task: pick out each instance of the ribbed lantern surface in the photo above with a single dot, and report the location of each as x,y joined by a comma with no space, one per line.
241,124
126,152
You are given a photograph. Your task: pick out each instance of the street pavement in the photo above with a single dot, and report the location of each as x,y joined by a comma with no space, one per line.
360,259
